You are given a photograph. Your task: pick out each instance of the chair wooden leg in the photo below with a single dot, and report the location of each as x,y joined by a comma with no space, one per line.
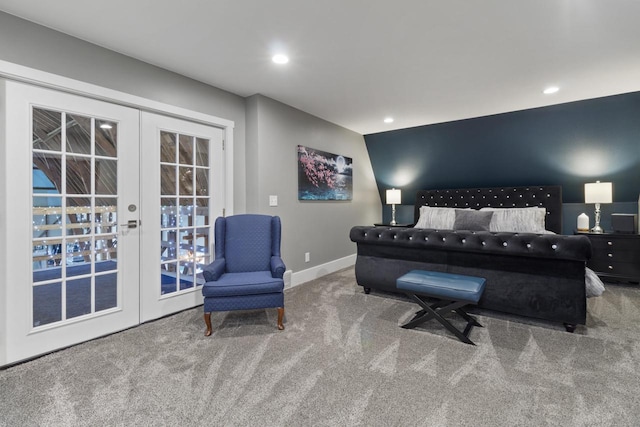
207,321
280,316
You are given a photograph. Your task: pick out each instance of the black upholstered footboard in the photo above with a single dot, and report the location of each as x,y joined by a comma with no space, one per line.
540,276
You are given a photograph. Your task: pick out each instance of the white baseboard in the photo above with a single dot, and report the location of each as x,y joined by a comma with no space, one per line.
292,279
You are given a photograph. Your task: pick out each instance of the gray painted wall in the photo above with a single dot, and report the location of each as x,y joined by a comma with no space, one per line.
274,131
35,46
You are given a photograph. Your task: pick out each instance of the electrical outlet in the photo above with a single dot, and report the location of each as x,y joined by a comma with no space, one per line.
273,200
307,257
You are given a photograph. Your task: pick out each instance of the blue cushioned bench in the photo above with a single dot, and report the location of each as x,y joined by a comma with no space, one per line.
452,291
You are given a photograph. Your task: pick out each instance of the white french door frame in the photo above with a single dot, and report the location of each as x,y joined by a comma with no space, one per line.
152,303
23,339
18,73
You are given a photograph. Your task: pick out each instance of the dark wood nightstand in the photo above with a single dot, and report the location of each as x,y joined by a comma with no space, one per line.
379,224
615,256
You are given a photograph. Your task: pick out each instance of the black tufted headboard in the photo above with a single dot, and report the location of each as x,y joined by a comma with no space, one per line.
548,197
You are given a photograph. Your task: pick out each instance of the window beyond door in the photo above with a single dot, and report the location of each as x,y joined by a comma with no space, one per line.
185,213
74,215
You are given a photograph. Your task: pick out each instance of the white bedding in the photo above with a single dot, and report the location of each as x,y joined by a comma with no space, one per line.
593,284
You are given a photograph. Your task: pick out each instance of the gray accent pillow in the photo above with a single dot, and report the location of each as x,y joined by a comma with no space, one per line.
436,218
472,220
518,220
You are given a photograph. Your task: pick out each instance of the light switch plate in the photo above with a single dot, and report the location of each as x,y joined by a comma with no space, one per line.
273,200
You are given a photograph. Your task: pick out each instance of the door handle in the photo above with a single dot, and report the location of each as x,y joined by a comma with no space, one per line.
132,223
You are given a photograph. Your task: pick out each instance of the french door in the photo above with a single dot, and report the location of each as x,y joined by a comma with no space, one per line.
108,217
182,193
72,265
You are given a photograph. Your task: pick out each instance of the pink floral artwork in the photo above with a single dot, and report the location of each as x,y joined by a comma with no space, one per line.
323,176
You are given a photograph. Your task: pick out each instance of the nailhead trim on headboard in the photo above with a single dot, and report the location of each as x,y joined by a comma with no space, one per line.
548,197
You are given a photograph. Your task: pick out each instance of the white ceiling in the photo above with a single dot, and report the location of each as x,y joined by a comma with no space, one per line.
353,62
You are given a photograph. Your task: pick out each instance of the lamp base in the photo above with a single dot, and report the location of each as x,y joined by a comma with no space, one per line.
597,228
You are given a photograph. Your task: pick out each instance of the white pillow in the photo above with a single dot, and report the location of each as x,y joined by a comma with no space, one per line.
519,220
437,218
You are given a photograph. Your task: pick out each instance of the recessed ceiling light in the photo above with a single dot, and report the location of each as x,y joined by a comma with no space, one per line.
388,119
105,126
280,59
550,90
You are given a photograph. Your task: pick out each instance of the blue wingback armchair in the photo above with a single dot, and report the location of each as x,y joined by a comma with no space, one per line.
247,271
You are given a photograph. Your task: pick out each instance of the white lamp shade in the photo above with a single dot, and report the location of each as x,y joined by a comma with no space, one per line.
598,192
394,197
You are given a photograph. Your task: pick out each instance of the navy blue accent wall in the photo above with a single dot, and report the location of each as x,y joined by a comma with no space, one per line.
566,144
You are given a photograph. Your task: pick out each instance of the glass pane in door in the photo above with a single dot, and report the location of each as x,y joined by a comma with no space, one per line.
74,237
78,134
47,130
105,134
184,182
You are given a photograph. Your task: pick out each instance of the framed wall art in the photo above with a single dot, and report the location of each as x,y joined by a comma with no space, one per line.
324,176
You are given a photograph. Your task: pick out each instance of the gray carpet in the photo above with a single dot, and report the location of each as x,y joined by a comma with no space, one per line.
342,361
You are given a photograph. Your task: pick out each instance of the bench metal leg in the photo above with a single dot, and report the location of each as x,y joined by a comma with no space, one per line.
467,317
428,312
433,311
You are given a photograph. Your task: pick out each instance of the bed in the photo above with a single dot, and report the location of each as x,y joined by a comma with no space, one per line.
535,272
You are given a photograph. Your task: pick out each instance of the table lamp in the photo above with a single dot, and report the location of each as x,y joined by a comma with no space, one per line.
598,192
394,197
